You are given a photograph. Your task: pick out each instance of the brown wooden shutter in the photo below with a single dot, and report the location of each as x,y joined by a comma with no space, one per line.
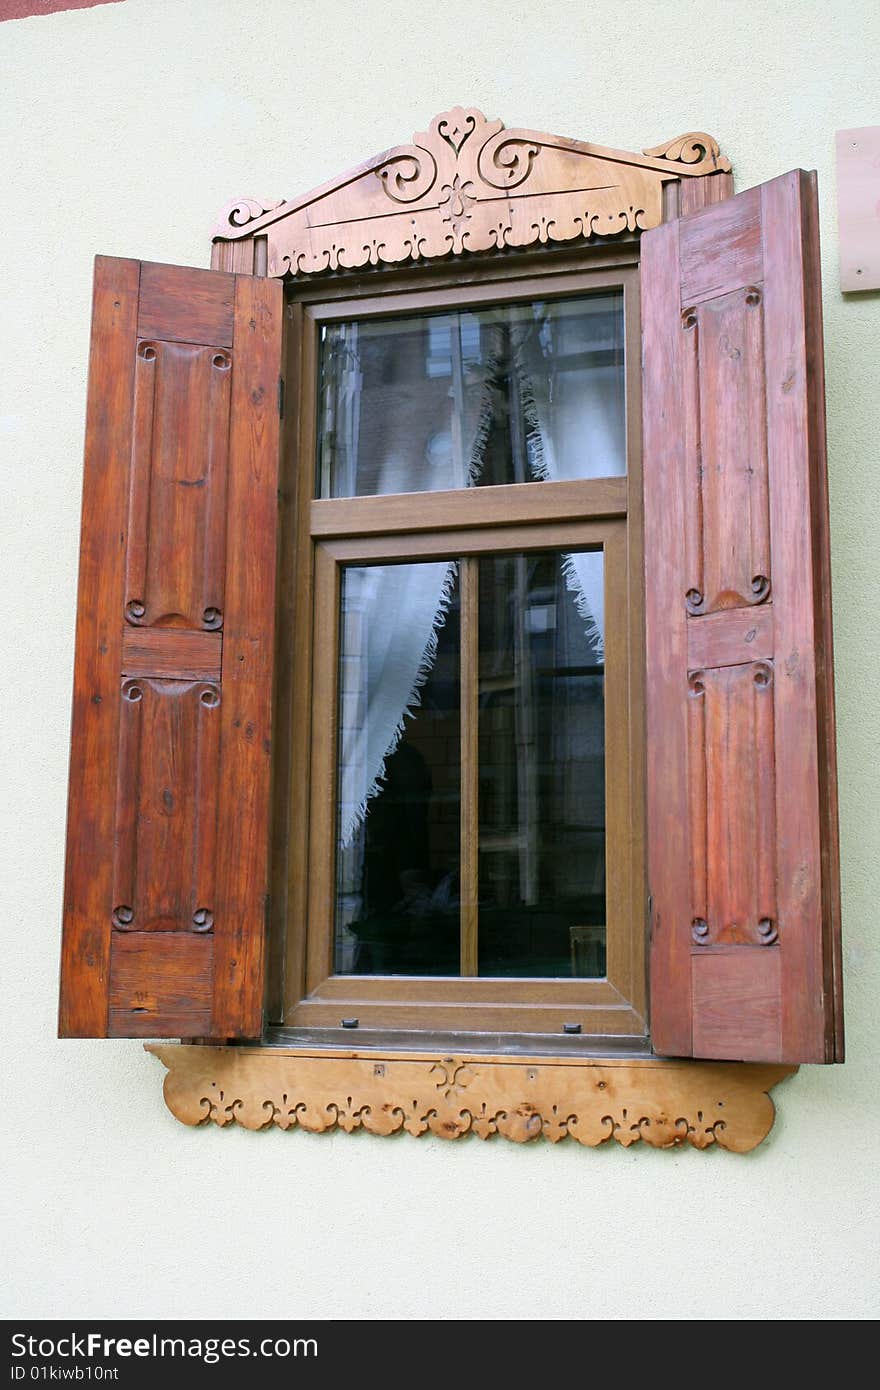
742,814
168,815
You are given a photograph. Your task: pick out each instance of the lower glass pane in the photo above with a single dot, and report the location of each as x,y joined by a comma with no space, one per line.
541,765
399,779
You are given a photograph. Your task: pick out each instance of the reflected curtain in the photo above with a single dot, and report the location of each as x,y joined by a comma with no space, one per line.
559,366
392,614
575,419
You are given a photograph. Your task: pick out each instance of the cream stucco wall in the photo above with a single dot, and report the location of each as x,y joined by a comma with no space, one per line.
125,128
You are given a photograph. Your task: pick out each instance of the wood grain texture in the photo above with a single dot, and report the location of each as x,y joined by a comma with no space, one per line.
178,304
466,185
160,985
796,461
739,712
506,504
301,437
175,654
236,256
824,649
703,192
244,816
88,889
731,637
171,733
721,249
661,1103
484,540
176,544
286,667
737,1004
166,816
727,502
666,429
731,800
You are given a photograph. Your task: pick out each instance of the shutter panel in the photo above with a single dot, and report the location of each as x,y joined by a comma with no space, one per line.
168,814
742,816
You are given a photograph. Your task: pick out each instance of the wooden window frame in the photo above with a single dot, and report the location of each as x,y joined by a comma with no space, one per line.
323,535
535,209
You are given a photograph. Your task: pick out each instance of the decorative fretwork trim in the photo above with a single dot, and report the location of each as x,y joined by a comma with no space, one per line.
665,1103
468,185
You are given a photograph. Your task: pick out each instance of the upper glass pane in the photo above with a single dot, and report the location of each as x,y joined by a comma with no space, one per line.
506,394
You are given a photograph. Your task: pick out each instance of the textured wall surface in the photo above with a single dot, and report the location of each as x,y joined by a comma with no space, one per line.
126,127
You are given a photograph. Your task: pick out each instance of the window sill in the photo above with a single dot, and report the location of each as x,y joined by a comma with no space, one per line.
589,1099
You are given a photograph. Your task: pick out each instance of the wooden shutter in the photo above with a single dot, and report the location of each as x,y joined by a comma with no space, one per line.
742,816
168,815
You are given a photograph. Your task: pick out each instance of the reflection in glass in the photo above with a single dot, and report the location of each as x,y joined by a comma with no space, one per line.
506,394
397,881
541,768
541,775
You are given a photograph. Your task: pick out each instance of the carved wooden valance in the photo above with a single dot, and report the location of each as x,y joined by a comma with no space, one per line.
466,185
591,1100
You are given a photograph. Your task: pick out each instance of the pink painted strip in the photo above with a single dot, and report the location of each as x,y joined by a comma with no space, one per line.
858,207
23,9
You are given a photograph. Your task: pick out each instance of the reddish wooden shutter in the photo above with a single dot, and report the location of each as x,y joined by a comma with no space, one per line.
168,816
742,855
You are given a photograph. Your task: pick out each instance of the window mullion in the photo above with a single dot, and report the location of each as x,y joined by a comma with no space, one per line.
470,661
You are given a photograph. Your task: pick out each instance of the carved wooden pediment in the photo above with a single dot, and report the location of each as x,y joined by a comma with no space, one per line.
466,185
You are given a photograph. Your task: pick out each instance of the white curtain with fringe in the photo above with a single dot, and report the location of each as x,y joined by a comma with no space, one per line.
574,423
575,419
392,614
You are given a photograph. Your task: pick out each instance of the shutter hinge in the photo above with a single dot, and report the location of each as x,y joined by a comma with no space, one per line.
650,917
281,397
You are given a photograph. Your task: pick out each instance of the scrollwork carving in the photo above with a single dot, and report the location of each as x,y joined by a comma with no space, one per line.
506,160
244,211
458,198
456,126
408,177
696,147
664,1104
467,185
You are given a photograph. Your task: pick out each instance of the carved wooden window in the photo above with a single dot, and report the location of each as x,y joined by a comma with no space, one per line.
463,582
466,249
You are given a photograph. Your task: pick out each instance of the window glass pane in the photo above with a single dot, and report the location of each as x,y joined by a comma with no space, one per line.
398,794
513,393
541,765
